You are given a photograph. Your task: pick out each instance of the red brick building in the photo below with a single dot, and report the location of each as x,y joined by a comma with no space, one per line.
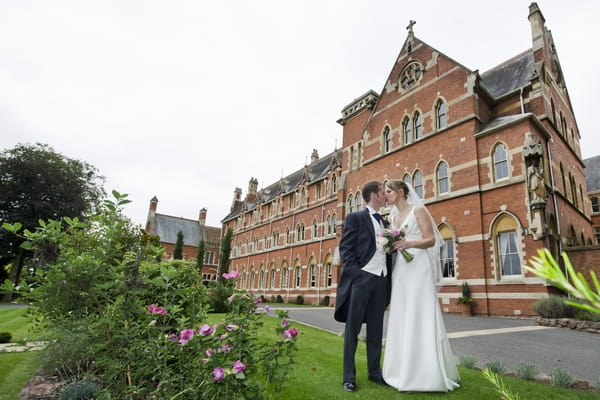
166,228
495,156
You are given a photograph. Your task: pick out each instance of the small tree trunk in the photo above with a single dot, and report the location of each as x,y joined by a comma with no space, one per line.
15,272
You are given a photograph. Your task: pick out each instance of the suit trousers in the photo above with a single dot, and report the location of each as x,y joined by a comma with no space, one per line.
367,302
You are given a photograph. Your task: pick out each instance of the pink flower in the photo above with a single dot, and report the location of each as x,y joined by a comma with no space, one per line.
258,300
230,298
238,366
206,330
223,336
231,327
186,335
218,373
208,352
154,309
231,275
285,322
290,333
225,349
153,322
266,308
172,337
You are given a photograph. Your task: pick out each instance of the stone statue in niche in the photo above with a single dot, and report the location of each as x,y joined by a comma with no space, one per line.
533,154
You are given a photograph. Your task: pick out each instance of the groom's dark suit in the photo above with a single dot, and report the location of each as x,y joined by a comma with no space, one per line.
361,296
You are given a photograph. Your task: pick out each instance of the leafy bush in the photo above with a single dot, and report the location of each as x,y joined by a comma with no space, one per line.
468,362
80,390
527,371
561,378
466,297
324,301
495,366
299,299
112,310
554,307
279,299
5,337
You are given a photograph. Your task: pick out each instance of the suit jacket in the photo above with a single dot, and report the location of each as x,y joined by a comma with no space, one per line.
357,247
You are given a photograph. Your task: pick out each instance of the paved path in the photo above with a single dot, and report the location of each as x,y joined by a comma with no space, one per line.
509,340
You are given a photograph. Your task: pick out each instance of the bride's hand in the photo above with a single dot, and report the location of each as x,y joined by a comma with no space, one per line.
400,245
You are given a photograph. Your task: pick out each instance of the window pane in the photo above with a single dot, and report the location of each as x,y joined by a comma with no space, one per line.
500,163
418,126
510,263
441,115
418,184
407,132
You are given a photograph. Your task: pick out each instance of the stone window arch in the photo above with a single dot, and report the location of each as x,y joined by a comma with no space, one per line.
507,244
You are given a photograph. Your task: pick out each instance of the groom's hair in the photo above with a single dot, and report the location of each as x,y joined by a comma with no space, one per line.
370,187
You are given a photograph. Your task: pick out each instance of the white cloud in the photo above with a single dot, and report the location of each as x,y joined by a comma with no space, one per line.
187,100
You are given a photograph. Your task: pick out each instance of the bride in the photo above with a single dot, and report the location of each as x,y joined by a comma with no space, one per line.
417,355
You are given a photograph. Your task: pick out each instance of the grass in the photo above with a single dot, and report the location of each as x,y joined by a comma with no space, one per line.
15,321
318,374
16,369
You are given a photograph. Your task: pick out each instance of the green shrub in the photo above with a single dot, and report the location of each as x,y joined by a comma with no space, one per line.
279,299
495,366
561,378
81,390
468,362
5,337
324,301
554,307
527,371
299,299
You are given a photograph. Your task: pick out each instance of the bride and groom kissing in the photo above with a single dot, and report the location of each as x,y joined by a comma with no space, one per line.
417,355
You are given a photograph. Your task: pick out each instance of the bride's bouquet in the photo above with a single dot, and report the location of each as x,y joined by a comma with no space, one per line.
392,235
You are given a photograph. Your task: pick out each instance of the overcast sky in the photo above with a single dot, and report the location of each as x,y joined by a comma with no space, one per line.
187,100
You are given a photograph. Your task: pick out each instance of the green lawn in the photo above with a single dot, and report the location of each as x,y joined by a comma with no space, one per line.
316,375
16,369
15,321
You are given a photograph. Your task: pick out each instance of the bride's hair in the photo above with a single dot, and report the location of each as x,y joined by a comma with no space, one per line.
396,185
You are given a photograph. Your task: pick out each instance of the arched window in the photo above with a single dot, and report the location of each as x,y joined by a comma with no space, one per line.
418,183
411,75
328,270
387,140
442,178
312,267
418,125
350,203
298,274
358,201
407,178
595,204
507,245
333,184
284,275
447,252
572,237
573,190
315,229
271,278
564,181
500,163
288,236
328,225
440,113
553,112
407,131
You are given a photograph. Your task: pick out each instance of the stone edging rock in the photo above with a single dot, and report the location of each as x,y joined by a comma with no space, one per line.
585,326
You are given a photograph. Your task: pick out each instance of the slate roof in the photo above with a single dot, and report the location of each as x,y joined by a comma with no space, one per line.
509,75
310,173
592,173
166,227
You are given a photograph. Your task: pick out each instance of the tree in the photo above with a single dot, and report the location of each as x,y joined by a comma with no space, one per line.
178,251
37,183
224,252
200,256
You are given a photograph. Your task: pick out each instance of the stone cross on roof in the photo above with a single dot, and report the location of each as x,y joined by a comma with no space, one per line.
410,26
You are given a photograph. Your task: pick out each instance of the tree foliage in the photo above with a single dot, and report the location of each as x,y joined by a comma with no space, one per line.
37,183
178,251
200,255
224,253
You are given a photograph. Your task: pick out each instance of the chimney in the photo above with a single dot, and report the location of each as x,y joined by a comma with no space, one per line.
252,189
151,215
314,156
237,196
537,21
202,216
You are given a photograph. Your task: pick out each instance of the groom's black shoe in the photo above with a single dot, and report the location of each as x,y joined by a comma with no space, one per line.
379,381
349,386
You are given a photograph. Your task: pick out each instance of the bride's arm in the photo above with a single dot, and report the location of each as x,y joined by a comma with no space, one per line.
426,231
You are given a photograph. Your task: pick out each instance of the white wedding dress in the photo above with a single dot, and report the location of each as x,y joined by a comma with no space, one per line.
417,354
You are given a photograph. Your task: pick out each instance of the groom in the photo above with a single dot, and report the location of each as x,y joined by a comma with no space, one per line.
364,288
